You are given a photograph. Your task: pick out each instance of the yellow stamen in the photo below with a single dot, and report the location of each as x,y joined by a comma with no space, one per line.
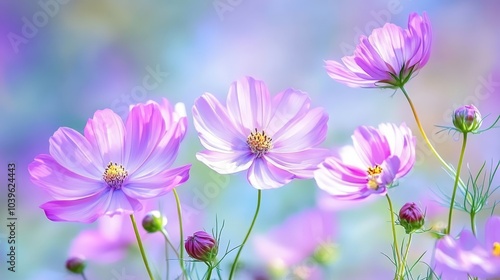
259,142
114,175
496,249
373,174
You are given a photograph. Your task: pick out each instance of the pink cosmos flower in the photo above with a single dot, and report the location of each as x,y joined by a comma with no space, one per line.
274,138
457,258
389,57
376,160
113,165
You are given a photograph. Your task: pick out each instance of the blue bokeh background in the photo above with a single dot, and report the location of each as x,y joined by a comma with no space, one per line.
60,61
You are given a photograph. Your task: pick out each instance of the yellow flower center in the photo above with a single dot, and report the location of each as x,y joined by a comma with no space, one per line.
373,174
114,175
259,142
496,249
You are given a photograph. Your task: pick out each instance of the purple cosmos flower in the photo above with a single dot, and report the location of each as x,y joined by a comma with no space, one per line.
466,255
389,57
113,165
274,138
376,160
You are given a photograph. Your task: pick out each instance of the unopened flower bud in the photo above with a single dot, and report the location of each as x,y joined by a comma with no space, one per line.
467,118
201,246
153,222
76,265
325,253
411,217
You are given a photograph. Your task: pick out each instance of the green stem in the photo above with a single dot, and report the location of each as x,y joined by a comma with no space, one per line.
165,234
455,184
233,267
473,222
141,248
395,240
181,233
406,253
209,272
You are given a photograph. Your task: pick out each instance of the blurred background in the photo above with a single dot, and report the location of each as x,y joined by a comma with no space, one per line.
61,60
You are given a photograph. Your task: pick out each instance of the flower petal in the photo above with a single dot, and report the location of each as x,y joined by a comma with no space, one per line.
287,105
492,233
215,129
74,152
60,182
402,144
145,129
371,145
173,116
302,132
157,184
226,163
342,74
249,104
302,164
106,132
87,210
263,175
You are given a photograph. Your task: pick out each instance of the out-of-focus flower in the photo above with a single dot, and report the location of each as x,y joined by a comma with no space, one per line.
411,217
389,57
201,246
113,165
275,139
376,160
467,119
153,221
76,265
458,258
302,236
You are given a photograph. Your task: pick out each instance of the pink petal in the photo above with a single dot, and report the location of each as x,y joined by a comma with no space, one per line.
302,133
157,184
60,182
287,105
343,75
72,151
302,164
145,129
249,104
263,175
106,133
174,115
492,233
215,129
226,163
371,145
87,210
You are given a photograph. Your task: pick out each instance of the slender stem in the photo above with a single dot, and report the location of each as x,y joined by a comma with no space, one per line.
473,222
233,267
83,276
423,132
209,272
455,185
141,248
395,240
165,234
406,253
181,233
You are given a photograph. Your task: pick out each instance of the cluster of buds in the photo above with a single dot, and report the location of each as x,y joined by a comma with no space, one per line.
467,119
411,217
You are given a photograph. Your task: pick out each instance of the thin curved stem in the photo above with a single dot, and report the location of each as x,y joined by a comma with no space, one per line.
395,240
141,248
405,257
181,233
473,222
455,185
165,234
233,267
